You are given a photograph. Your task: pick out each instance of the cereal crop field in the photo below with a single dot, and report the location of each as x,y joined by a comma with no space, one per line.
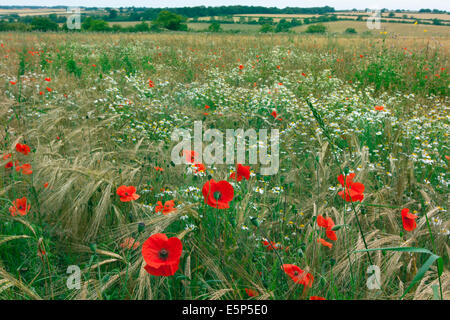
341,193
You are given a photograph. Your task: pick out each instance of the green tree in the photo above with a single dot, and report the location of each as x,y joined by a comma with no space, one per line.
266,28
112,14
350,30
95,25
43,24
295,22
171,21
316,28
142,27
283,26
214,27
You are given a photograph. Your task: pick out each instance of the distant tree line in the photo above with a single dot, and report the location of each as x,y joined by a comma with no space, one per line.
171,20
136,14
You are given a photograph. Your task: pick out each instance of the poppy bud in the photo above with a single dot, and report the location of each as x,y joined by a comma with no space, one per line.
141,227
233,222
346,170
300,253
363,210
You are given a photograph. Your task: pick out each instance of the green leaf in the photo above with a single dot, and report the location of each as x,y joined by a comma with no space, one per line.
440,265
339,226
421,272
425,267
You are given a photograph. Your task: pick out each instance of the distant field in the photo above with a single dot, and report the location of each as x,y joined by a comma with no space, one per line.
423,16
417,15
397,28
411,17
199,26
226,27
400,29
127,23
37,12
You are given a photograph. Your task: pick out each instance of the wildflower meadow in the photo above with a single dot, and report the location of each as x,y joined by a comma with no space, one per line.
209,166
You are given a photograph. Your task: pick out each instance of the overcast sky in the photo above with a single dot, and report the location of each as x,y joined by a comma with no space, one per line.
337,4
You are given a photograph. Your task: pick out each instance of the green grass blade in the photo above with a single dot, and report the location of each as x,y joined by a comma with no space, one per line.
421,272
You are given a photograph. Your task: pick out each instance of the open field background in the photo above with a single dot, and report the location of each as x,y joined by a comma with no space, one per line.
39,12
394,29
85,105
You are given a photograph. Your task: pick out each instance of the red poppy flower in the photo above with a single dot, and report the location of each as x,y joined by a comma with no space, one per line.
20,207
23,148
168,207
13,82
191,156
8,165
251,293
218,194
298,275
409,220
127,193
46,185
325,243
49,89
162,254
353,191
241,67
151,84
274,114
379,108
272,245
48,79
199,167
206,106
328,224
26,168
316,298
6,156
158,169
241,172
